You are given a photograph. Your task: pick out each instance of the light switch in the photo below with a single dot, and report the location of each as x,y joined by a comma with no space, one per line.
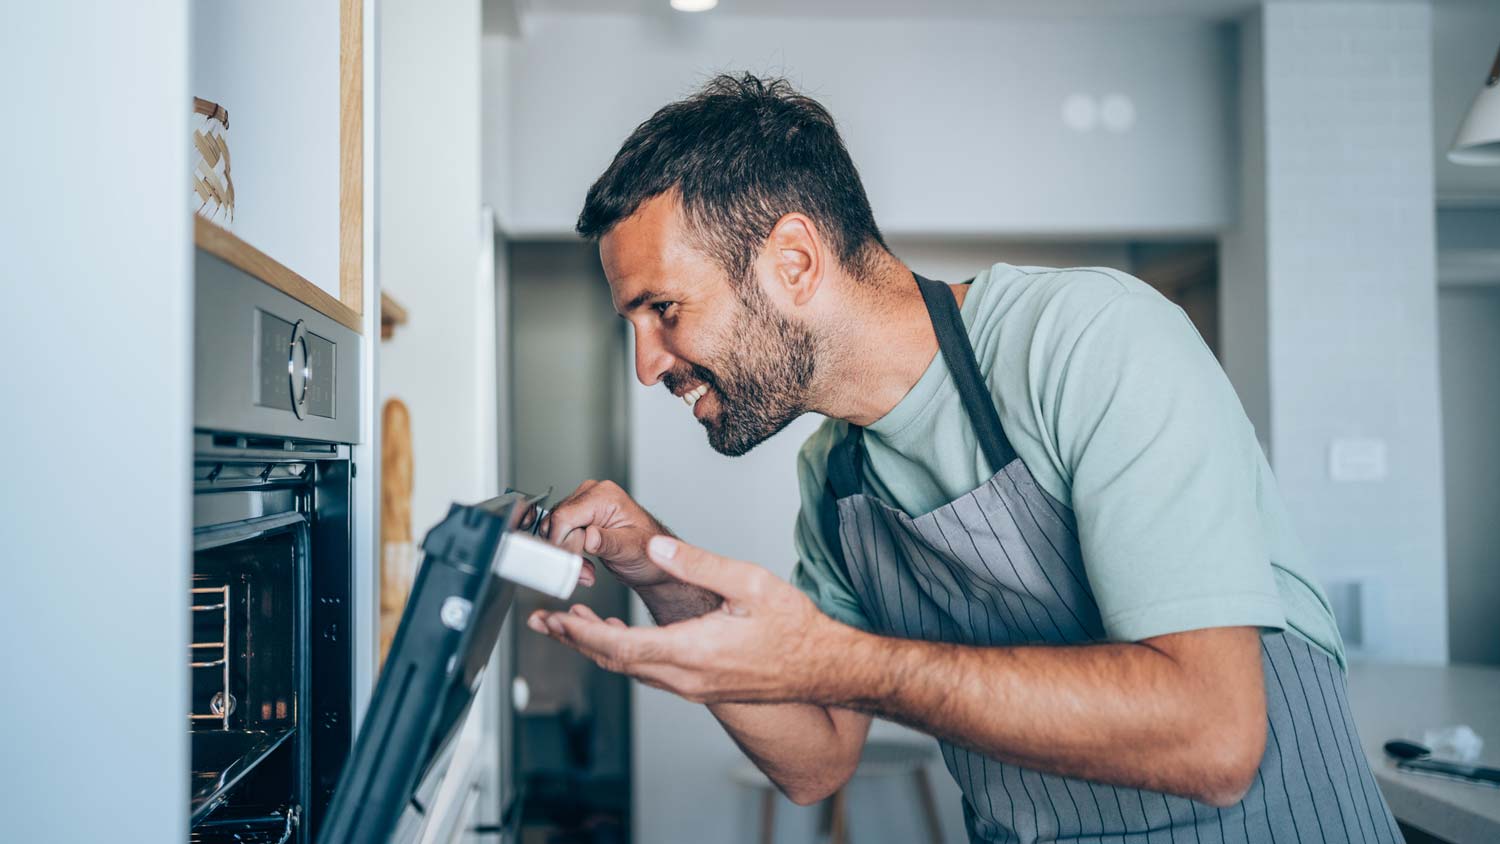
1357,460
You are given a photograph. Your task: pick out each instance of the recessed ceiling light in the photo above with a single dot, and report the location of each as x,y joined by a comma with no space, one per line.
694,5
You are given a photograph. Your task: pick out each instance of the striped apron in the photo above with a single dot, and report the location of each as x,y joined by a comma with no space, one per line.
1001,566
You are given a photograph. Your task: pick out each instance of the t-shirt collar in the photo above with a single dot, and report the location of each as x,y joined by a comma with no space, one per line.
919,401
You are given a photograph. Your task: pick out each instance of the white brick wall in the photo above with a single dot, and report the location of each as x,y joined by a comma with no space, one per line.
1338,240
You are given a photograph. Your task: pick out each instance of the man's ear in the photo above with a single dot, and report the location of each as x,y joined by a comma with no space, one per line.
795,258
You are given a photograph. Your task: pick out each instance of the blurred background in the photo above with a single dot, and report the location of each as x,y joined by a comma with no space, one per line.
1278,169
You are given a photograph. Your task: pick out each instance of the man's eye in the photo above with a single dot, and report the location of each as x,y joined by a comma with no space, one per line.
662,308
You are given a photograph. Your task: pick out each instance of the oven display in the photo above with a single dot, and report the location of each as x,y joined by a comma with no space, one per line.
274,356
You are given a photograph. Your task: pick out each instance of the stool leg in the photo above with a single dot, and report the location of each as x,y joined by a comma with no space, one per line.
929,806
768,817
840,831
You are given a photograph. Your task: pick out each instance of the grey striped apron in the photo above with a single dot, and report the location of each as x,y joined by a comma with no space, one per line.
1001,566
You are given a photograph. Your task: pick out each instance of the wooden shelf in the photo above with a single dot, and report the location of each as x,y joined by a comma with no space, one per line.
224,245
392,314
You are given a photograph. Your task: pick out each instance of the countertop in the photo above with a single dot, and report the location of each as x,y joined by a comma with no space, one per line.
1401,701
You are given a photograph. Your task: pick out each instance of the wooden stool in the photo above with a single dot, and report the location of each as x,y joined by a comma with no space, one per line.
879,759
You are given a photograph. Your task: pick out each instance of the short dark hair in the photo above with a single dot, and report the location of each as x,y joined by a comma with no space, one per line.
742,152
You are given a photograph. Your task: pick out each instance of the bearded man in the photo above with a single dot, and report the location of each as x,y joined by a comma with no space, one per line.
1036,524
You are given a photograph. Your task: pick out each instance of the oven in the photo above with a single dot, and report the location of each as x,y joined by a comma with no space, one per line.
272,652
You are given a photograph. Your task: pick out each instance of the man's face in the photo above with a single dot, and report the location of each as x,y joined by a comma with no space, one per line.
742,366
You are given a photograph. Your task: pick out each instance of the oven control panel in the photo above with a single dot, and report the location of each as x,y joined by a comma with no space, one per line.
295,368
268,365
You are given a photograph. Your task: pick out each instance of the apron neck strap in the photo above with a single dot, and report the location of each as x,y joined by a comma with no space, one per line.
845,461
958,354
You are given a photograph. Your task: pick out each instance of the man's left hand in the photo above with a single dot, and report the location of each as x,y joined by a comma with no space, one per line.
767,643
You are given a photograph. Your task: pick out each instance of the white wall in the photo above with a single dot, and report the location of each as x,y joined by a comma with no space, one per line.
96,292
1334,265
497,123
955,124
274,64
745,508
953,260
431,246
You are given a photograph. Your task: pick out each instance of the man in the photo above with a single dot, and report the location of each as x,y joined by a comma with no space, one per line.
1036,525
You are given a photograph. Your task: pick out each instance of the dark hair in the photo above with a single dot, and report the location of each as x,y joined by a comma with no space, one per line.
742,152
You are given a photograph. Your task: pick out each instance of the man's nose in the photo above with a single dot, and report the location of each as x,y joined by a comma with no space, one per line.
652,360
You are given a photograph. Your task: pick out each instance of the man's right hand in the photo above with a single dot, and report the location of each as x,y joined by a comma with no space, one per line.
600,519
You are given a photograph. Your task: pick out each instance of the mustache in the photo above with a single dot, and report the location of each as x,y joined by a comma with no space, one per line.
692,372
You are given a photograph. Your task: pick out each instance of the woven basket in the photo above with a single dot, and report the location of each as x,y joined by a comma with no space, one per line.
213,189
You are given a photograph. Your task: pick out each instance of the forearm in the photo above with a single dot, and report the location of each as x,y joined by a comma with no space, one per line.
808,750
672,602
1126,714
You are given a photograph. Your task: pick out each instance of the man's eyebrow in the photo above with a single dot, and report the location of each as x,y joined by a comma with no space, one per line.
639,300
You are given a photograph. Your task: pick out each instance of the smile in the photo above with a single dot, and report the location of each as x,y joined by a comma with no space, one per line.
690,398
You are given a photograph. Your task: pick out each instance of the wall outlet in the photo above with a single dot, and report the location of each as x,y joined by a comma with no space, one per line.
1357,460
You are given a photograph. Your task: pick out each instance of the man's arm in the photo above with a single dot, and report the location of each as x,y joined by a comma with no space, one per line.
808,750
1182,713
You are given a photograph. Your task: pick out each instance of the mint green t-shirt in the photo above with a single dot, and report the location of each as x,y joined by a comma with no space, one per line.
1122,413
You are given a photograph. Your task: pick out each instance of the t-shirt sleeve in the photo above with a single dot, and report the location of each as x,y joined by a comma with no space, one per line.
817,573
1163,468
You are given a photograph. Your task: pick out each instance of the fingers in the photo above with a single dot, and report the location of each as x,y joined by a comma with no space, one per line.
608,544
587,612
573,512
586,575
612,644
720,575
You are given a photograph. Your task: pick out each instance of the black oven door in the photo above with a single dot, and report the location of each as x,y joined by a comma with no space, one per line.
431,675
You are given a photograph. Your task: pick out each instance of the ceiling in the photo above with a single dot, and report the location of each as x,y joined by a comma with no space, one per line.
1210,9
1465,34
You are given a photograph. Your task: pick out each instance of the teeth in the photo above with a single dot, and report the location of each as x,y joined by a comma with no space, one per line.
691,397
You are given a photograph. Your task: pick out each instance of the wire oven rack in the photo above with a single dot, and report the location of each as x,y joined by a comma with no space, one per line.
213,655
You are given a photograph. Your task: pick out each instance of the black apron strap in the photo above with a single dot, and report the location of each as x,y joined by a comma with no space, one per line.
958,353
846,460
845,463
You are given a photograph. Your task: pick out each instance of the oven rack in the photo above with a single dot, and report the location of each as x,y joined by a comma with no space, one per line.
211,654
266,827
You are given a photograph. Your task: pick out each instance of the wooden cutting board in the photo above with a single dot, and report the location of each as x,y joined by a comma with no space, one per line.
397,551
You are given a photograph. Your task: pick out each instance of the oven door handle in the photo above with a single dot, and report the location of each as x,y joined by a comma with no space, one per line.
218,535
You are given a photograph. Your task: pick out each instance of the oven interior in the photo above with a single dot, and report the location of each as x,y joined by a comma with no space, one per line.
266,745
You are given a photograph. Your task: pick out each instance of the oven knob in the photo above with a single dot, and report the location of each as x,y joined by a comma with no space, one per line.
298,368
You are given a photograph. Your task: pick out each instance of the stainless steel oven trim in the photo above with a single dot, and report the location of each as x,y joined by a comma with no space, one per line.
221,535
234,504
209,446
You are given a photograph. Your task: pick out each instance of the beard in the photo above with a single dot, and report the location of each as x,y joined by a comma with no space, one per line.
762,387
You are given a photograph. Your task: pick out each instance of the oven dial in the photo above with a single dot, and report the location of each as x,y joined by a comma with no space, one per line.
298,368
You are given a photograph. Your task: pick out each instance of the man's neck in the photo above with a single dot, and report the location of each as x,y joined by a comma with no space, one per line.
880,348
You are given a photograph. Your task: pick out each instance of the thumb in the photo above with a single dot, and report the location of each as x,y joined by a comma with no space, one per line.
604,544
691,564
